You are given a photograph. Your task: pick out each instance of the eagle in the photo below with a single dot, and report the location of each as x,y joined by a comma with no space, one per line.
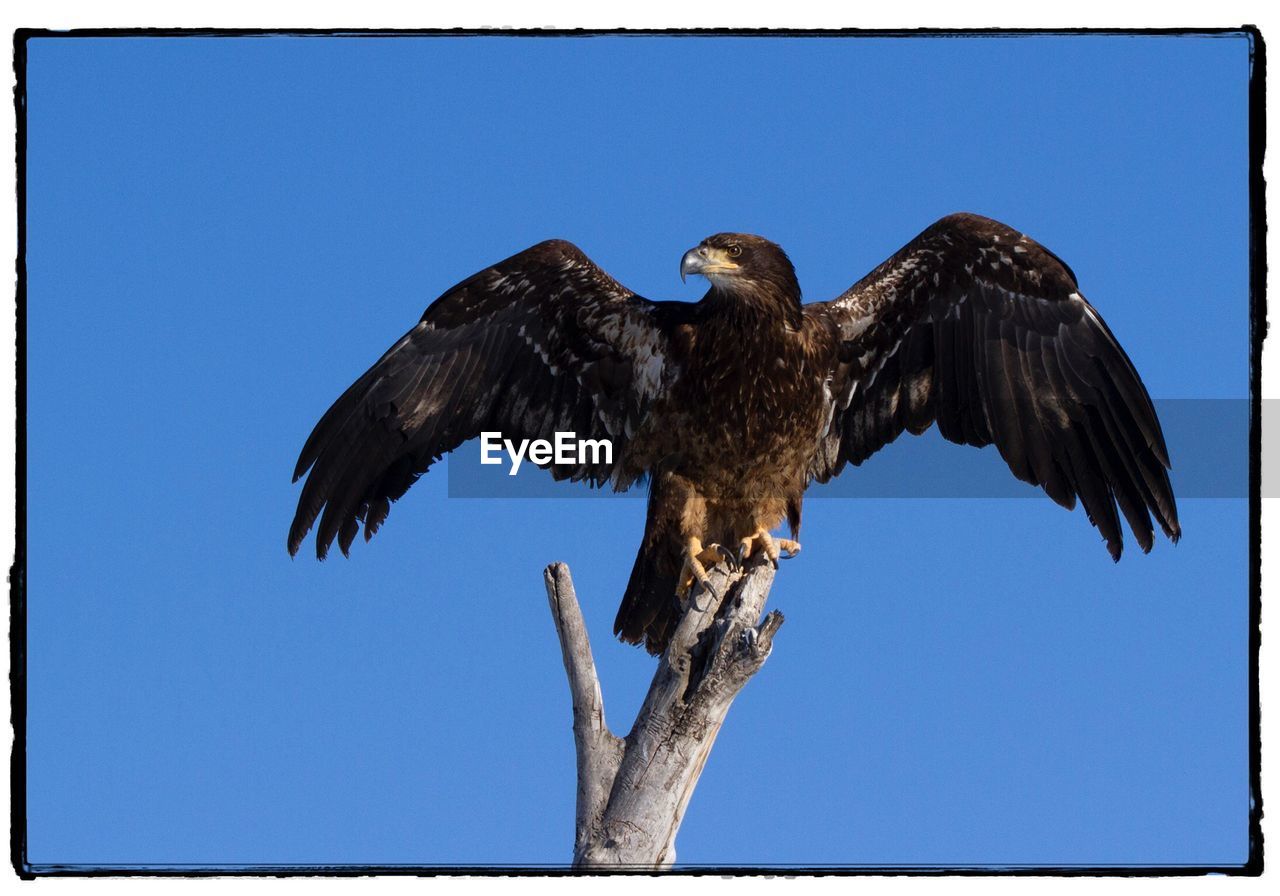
730,407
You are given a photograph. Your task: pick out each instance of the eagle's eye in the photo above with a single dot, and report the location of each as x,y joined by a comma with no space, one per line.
735,250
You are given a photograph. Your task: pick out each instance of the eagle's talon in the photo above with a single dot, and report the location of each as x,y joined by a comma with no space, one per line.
689,589
694,570
762,540
729,557
715,596
703,557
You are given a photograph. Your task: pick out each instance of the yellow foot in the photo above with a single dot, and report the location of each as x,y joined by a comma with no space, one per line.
771,546
696,560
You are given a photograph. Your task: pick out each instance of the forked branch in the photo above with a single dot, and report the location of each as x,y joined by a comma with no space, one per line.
633,792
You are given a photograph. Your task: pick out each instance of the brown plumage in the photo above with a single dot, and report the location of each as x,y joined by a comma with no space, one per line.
733,404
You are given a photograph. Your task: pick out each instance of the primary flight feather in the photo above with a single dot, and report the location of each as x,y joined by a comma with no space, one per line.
732,405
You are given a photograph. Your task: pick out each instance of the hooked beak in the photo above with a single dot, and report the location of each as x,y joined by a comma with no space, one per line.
706,261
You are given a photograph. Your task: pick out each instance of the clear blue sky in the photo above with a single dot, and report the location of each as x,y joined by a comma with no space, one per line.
223,233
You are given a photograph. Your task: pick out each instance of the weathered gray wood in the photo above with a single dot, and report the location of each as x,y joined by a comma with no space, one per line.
632,793
598,751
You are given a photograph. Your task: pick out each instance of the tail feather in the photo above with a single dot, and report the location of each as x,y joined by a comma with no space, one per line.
650,609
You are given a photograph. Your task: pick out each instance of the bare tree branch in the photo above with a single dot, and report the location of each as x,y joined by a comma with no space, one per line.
632,794
598,751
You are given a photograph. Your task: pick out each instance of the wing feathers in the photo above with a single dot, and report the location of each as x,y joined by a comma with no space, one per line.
1002,394
1018,358
507,349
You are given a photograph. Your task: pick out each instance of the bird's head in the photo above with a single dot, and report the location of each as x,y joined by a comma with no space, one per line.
744,266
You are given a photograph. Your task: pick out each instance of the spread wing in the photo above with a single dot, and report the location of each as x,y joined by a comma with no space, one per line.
981,329
542,342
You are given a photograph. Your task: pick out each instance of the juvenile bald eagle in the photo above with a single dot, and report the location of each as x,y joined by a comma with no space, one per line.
732,405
